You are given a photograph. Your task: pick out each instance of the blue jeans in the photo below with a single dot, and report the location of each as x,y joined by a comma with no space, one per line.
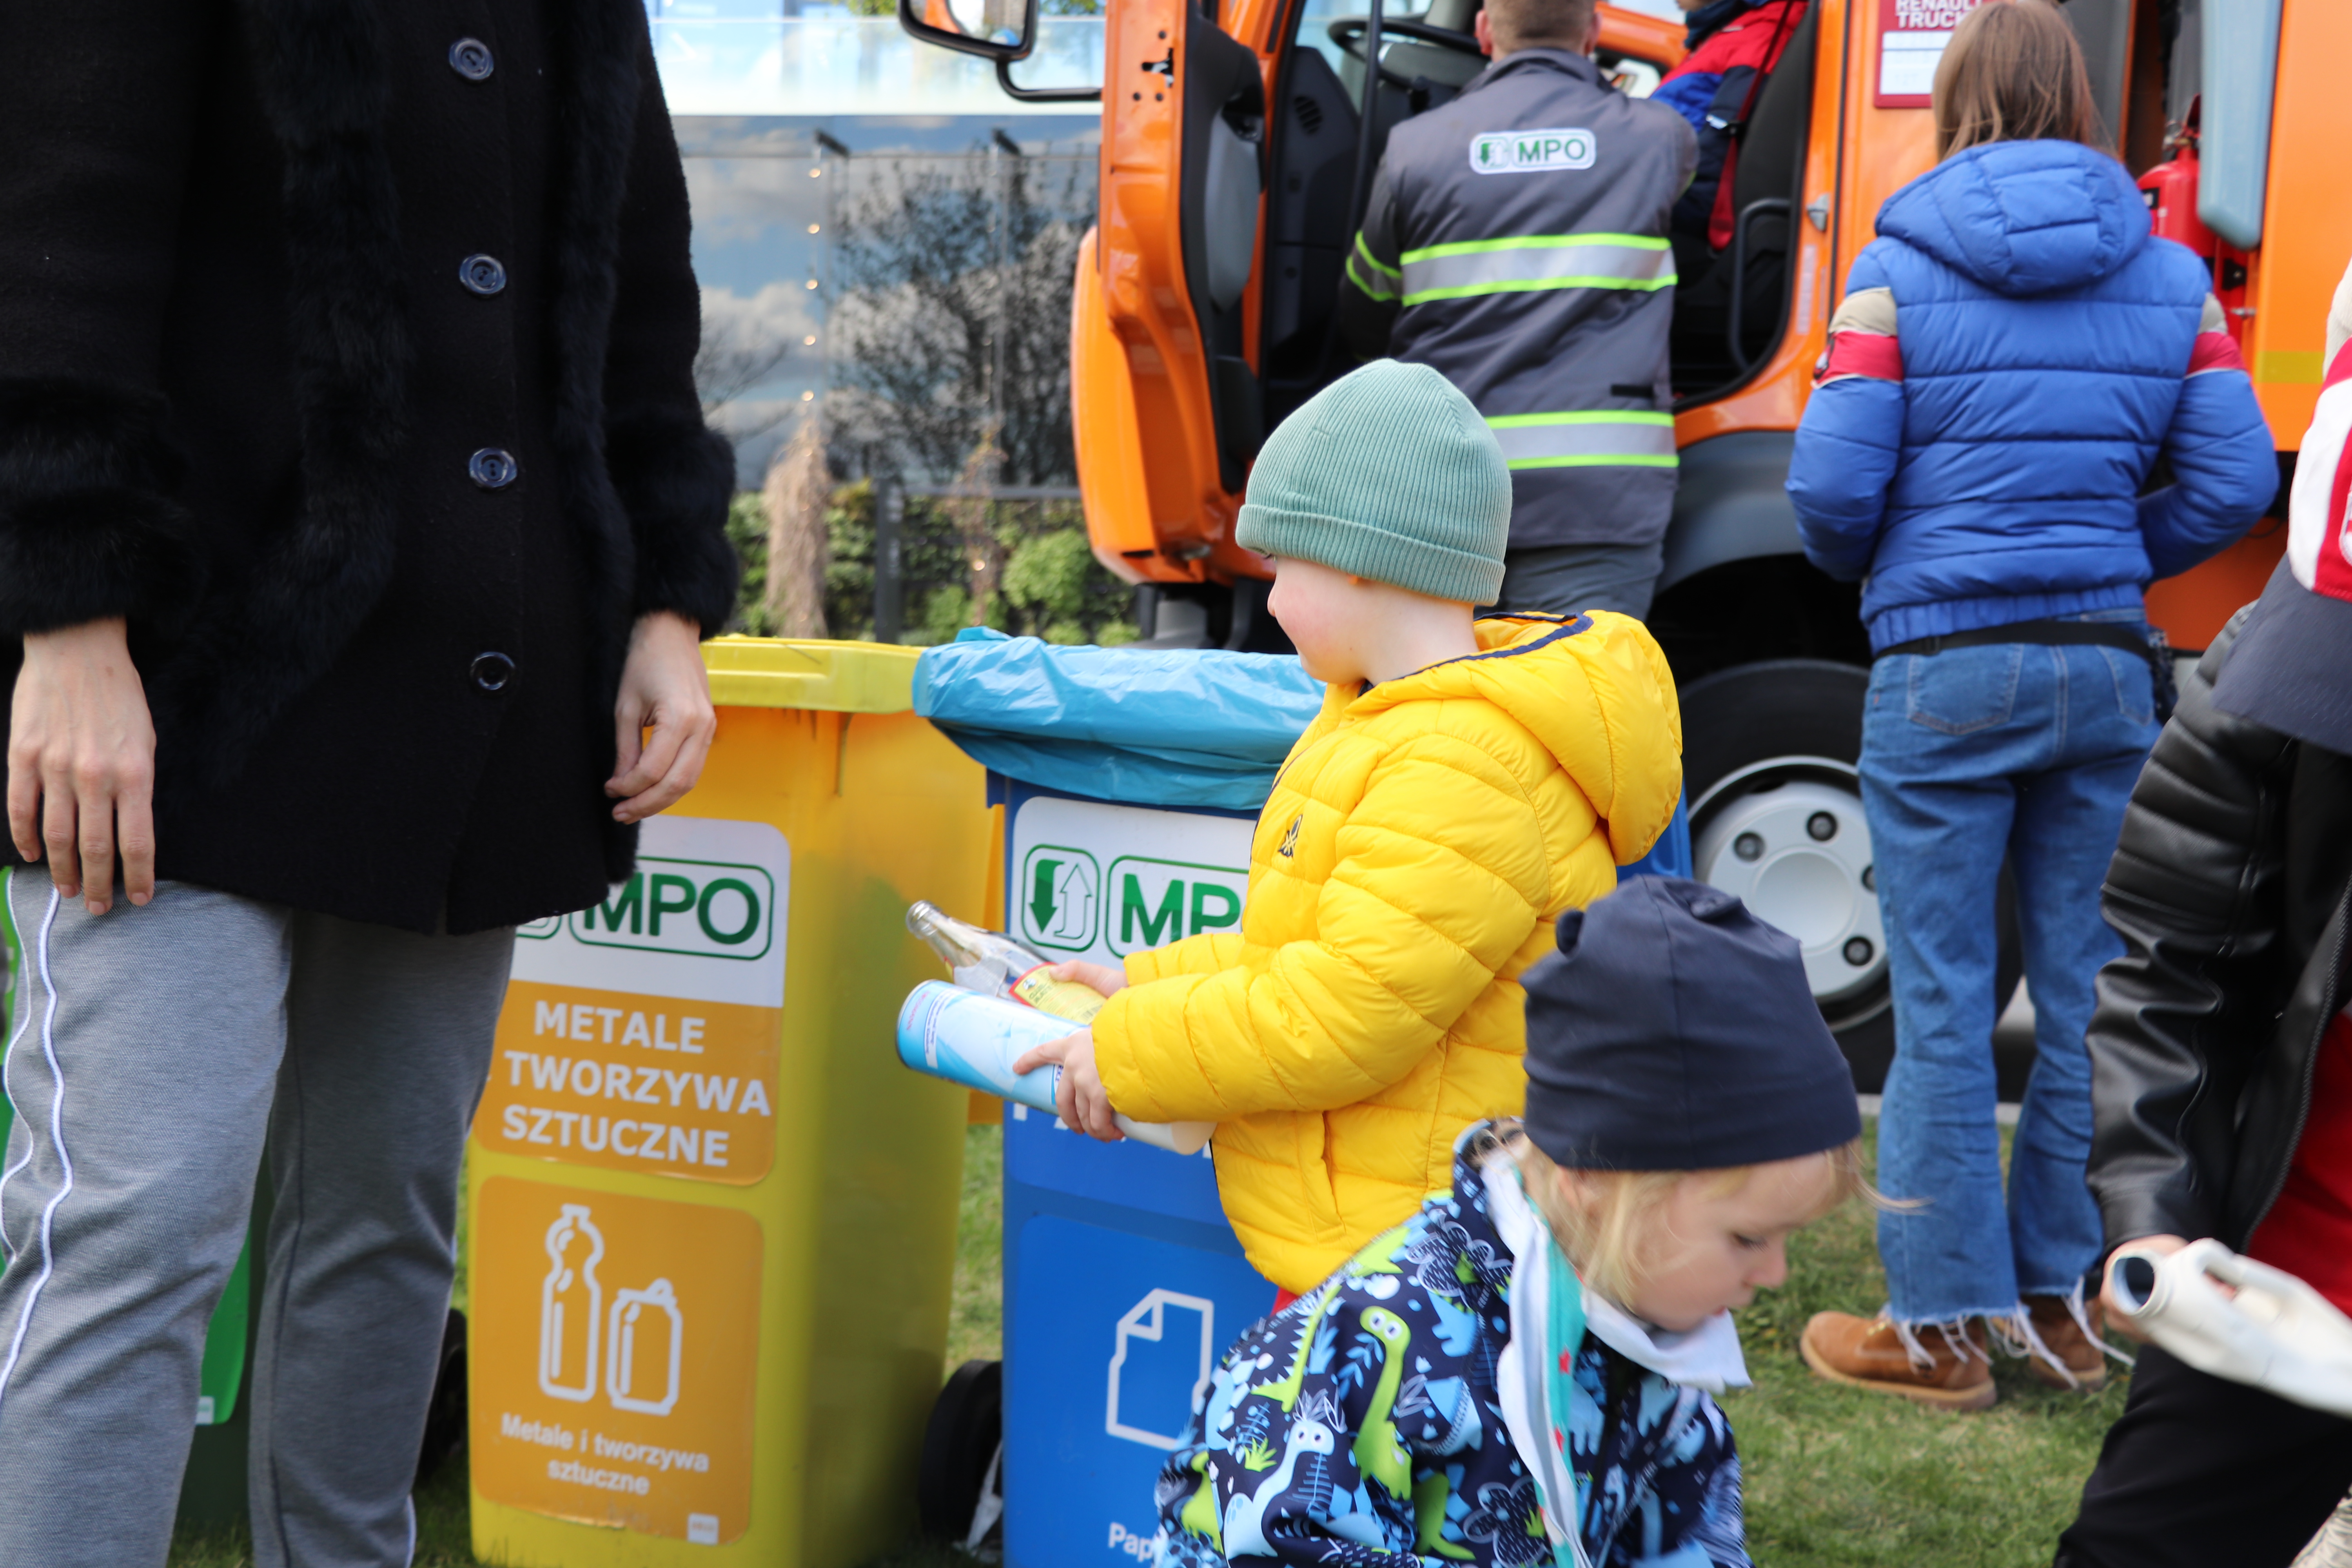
1966,754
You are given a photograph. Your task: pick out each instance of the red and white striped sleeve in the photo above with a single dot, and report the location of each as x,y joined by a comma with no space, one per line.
1863,339
2216,349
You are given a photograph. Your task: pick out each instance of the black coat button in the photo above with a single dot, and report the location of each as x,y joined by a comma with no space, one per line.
492,469
492,671
470,59
481,275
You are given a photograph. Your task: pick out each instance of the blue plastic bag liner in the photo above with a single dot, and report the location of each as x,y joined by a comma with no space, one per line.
1203,729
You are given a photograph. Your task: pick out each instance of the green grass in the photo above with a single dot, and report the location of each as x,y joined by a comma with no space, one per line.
976,1326
443,1534
1835,1478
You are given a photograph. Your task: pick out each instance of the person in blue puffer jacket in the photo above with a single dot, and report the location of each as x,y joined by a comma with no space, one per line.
2014,355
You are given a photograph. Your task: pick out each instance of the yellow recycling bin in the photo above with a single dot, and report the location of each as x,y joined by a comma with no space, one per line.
710,1222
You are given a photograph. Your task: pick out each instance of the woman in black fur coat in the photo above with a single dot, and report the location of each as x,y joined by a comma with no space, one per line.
358,524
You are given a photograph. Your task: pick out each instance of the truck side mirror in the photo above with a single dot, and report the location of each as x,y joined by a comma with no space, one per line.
1001,30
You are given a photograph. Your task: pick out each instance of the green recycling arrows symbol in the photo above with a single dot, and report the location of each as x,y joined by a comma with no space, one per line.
1057,892
1041,896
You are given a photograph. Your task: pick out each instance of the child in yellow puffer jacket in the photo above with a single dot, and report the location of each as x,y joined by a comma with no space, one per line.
1467,781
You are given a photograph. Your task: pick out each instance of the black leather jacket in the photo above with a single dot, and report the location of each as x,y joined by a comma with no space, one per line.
2229,887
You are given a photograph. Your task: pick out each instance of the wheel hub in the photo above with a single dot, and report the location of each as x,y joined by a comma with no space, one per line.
1798,854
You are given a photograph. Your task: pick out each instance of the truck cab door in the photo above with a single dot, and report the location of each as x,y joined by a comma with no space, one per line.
1222,180
1183,118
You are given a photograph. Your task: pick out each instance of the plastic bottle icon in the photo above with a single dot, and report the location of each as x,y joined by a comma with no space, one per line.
571,1307
621,1383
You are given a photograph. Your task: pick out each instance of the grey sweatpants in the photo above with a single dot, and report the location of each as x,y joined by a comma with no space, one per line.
152,1052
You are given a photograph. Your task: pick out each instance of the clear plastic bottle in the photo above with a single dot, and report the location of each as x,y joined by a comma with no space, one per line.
995,966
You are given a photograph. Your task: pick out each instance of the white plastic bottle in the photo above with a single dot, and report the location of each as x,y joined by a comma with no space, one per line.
973,1040
2231,1317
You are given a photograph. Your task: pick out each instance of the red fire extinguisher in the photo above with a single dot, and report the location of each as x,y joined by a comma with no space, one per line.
2170,189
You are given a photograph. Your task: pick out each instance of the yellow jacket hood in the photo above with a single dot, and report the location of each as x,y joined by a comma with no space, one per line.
1590,689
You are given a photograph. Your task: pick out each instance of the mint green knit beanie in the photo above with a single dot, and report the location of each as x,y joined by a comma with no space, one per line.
1387,473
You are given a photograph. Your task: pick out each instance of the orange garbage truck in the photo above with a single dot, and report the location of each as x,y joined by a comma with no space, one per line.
1237,140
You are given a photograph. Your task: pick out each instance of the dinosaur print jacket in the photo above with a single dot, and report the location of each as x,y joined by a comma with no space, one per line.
1362,1427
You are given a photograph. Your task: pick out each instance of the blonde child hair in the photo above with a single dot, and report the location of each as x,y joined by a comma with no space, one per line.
1612,1236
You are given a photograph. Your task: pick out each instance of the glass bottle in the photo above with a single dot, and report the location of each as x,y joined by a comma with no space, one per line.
996,965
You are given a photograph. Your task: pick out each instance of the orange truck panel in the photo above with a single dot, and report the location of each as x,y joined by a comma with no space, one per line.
1645,36
2191,608
2306,222
1139,249
1111,479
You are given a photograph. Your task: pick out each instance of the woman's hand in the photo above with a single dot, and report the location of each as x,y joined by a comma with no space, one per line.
1080,1098
81,763
2164,1246
664,687
1103,979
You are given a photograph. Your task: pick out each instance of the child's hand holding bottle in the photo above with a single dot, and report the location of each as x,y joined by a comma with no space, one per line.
1103,979
1080,1098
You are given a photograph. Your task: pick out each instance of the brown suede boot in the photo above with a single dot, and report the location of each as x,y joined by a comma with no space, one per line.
1944,1365
2081,1363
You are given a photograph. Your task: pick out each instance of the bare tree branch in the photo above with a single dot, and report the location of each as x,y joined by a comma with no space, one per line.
935,259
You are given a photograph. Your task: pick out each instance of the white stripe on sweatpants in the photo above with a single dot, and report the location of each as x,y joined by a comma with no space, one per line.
57,1136
7,1251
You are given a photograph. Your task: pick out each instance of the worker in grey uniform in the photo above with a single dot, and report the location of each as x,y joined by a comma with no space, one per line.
1516,242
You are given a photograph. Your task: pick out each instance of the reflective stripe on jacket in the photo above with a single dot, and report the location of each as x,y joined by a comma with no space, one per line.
1536,262
1516,242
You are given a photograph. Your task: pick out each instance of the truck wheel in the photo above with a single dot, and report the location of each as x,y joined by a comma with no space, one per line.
1769,755
960,1444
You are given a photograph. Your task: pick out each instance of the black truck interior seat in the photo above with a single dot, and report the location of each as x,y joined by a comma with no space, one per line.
1770,170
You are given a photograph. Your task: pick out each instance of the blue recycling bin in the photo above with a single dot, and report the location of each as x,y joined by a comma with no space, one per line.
1123,1283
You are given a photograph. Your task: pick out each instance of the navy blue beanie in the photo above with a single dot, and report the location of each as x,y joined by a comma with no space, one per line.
1675,1031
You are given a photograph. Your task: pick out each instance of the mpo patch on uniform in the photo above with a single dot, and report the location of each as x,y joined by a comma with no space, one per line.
1530,152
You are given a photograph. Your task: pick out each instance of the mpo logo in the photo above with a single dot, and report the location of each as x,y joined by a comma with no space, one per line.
706,909
1525,152
1070,904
